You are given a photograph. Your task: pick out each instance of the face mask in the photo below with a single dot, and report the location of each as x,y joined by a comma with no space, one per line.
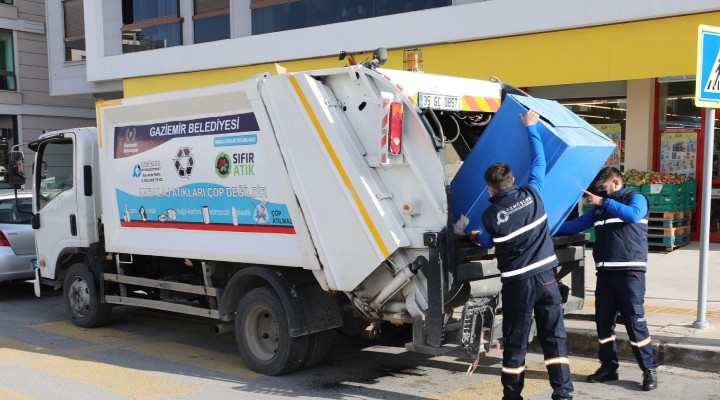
601,192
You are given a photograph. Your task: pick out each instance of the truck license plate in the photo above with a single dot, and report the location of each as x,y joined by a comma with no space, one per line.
438,101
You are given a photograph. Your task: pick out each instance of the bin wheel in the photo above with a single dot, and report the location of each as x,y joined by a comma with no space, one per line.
82,298
263,336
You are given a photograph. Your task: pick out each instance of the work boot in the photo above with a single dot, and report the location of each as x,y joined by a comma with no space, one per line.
649,379
603,374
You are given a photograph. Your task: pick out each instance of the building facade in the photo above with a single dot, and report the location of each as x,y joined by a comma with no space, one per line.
626,67
26,107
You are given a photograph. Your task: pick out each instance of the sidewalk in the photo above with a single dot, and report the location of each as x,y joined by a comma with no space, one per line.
670,310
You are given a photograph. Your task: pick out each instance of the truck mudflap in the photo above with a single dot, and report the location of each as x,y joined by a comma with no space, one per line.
480,323
309,308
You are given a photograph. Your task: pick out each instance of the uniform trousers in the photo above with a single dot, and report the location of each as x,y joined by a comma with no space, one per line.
623,292
539,294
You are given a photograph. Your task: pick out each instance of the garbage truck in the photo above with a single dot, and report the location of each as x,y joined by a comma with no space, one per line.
283,207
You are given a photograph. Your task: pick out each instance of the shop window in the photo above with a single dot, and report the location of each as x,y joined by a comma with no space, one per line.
150,24
211,20
74,21
324,12
272,16
280,15
679,128
7,61
607,116
387,7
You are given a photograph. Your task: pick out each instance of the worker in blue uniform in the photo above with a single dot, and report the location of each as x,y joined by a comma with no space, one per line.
620,217
516,224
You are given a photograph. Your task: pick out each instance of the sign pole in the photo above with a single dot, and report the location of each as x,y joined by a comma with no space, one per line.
707,94
704,226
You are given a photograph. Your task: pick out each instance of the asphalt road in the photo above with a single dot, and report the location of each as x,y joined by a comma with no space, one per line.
147,354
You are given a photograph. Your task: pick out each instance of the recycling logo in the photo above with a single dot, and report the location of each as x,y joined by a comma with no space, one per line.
222,165
184,162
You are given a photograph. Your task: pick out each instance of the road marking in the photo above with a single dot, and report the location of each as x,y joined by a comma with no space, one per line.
669,310
160,346
536,381
7,394
230,364
94,335
120,380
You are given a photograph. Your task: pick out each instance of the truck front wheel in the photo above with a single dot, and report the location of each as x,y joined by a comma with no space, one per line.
263,336
82,298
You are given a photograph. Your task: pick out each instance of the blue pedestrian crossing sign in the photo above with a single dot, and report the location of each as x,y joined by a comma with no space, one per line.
707,80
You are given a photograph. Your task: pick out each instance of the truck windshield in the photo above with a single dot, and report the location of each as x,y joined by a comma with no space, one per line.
55,170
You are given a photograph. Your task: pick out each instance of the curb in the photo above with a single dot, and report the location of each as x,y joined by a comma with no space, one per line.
585,342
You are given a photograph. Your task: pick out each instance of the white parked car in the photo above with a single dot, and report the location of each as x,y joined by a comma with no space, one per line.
17,237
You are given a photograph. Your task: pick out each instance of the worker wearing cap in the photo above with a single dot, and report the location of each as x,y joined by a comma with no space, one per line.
620,253
516,224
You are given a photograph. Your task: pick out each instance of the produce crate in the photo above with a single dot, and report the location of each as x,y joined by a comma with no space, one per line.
666,199
668,207
633,187
690,187
662,188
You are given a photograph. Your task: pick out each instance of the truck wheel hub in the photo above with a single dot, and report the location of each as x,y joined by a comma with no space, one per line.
79,297
261,333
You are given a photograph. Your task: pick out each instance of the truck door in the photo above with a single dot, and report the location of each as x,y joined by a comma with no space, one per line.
55,191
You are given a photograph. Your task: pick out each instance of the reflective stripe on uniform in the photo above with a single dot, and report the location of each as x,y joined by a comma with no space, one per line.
529,267
513,371
641,343
621,264
521,230
557,360
616,220
607,339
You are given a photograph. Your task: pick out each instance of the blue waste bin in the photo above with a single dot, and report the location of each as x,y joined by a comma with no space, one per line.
574,151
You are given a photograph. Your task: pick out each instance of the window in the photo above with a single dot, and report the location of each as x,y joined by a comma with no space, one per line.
56,170
607,116
280,15
7,61
324,12
679,127
74,30
20,214
150,24
387,7
211,20
7,2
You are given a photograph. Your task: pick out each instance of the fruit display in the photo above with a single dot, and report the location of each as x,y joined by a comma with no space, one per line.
636,177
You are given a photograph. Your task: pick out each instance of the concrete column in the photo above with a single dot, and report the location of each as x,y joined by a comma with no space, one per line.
639,124
240,18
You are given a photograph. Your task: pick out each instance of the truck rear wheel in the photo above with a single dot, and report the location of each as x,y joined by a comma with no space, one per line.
318,348
263,336
82,298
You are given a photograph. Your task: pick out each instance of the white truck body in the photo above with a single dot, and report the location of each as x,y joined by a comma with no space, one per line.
212,193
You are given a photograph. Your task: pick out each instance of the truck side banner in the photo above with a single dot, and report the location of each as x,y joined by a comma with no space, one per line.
199,174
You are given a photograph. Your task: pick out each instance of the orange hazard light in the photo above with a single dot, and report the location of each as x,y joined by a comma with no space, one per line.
395,128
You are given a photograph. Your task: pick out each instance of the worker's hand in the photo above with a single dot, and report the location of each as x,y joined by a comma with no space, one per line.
593,199
530,118
474,238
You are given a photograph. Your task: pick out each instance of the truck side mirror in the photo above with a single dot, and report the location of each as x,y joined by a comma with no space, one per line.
16,168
